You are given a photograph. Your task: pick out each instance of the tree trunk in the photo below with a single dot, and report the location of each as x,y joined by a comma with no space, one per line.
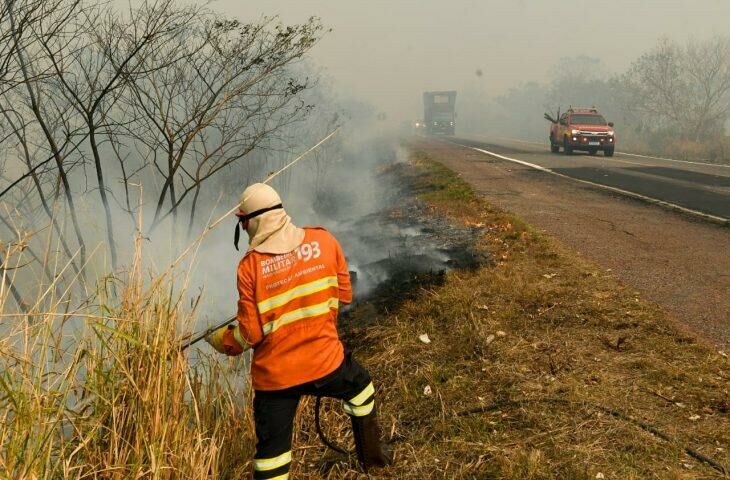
102,192
169,184
49,138
192,212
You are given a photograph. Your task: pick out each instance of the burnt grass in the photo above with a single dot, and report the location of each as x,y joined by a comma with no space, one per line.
421,246
530,349
418,262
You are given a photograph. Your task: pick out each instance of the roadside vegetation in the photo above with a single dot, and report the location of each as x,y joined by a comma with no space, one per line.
540,365
123,132
110,395
673,100
120,132
535,365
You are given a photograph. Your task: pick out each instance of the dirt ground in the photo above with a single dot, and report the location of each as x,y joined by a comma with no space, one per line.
681,263
537,364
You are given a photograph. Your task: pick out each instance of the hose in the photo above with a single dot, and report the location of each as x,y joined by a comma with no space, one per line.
322,436
614,413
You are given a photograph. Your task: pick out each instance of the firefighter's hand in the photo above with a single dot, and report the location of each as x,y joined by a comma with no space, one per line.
215,339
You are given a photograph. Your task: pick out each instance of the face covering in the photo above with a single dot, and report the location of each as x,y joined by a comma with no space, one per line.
243,219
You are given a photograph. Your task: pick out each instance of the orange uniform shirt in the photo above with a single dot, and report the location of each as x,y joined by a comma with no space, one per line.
287,310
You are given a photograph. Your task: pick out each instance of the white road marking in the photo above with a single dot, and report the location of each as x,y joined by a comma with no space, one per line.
544,144
674,160
656,201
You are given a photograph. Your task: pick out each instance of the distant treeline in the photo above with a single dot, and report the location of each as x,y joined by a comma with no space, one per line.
672,100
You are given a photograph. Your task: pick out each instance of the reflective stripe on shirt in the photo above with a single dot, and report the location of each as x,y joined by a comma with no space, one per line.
300,314
297,292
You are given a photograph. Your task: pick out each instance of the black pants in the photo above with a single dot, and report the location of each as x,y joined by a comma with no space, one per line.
274,413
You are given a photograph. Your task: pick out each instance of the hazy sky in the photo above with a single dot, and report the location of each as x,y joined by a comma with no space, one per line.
388,52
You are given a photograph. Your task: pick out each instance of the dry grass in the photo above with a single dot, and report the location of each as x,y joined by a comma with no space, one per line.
106,393
713,150
121,402
537,324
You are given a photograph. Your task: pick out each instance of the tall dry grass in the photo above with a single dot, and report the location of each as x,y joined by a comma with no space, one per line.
712,150
103,391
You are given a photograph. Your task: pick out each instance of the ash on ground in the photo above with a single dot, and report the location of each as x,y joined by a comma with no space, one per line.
397,252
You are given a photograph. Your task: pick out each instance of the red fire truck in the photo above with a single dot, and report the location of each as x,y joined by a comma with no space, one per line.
581,129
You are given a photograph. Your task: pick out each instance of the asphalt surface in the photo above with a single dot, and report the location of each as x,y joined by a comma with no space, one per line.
700,187
680,261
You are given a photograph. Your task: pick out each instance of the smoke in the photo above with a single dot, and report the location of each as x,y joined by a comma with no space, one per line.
505,62
338,187
357,187
388,53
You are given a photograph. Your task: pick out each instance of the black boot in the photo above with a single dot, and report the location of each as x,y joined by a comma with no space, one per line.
371,452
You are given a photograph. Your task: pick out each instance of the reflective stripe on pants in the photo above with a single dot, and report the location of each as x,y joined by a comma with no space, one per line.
274,413
361,404
274,468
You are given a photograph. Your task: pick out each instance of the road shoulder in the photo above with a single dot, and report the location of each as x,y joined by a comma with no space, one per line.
677,261
539,364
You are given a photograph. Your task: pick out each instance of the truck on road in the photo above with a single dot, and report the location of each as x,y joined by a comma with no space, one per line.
439,112
581,129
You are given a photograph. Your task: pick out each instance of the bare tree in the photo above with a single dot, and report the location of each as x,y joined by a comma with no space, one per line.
12,28
161,95
708,67
52,118
215,104
105,54
686,88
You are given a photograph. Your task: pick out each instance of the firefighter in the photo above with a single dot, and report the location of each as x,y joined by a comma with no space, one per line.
291,283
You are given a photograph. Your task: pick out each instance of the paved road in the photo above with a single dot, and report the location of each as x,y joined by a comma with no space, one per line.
680,261
700,187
